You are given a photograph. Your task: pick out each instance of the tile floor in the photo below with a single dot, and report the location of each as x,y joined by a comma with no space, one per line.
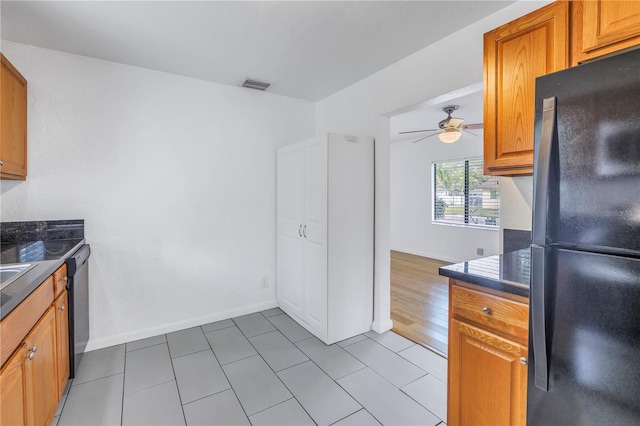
258,369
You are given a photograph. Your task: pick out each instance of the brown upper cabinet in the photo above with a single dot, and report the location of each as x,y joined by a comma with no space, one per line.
600,27
552,38
514,55
13,122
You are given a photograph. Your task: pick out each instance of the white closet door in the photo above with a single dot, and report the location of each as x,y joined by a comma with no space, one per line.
315,235
290,222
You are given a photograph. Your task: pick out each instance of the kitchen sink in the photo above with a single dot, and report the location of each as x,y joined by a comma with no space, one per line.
10,273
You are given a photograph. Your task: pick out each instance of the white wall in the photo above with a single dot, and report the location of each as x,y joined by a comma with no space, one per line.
175,178
411,184
449,64
517,213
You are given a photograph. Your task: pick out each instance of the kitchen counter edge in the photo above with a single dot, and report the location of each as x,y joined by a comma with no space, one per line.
507,272
30,281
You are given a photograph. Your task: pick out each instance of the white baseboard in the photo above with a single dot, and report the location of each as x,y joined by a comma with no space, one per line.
104,342
436,256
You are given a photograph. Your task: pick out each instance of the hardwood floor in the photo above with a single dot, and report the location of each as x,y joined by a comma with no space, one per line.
420,300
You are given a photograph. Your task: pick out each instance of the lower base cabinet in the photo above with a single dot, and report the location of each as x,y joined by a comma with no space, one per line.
62,340
487,382
12,410
34,376
40,371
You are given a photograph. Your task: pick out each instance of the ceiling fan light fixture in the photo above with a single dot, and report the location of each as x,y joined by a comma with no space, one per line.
449,136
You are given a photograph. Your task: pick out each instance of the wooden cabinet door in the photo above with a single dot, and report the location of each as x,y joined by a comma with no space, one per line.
13,122
12,411
41,380
59,280
62,340
290,223
315,235
601,27
514,55
487,381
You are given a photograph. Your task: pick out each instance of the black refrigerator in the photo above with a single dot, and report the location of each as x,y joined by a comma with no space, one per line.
584,333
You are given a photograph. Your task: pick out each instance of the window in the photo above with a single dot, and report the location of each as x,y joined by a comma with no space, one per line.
463,195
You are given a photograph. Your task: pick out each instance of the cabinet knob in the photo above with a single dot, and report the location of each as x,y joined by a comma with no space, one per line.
65,279
31,355
61,308
300,230
34,348
1,163
304,231
523,361
486,310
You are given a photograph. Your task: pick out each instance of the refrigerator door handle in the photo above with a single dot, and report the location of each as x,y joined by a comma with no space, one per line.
538,318
540,203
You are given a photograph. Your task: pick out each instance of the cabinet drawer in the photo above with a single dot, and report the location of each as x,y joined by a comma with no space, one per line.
17,324
495,312
59,280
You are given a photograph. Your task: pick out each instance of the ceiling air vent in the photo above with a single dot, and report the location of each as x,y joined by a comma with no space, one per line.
255,84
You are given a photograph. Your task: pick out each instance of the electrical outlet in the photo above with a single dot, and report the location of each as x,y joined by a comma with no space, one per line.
480,251
265,282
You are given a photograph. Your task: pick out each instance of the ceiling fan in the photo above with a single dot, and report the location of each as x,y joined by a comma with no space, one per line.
450,129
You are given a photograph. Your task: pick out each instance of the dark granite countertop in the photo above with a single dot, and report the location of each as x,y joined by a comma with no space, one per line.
46,244
507,272
13,294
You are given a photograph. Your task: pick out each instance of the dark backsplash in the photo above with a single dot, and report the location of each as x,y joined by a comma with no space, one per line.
50,230
515,239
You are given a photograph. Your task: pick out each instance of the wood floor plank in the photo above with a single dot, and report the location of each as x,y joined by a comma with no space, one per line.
420,300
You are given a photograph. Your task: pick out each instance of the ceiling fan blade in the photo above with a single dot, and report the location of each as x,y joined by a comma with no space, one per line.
454,122
471,133
473,126
418,131
418,140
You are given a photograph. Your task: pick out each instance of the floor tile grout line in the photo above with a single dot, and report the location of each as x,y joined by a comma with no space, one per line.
96,379
209,395
124,372
239,359
151,387
425,348
354,343
65,396
233,324
422,405
192,353
356,399
418,367
150,346
398,388
428,372
264,332
267,317
380,343
225,374
354,413
380,375
295,345
175,377
293,396
280,379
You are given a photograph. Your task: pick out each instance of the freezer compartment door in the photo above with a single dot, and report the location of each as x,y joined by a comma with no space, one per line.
592,318
588,163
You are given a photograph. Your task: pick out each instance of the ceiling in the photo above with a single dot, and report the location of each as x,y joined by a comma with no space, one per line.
306,49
